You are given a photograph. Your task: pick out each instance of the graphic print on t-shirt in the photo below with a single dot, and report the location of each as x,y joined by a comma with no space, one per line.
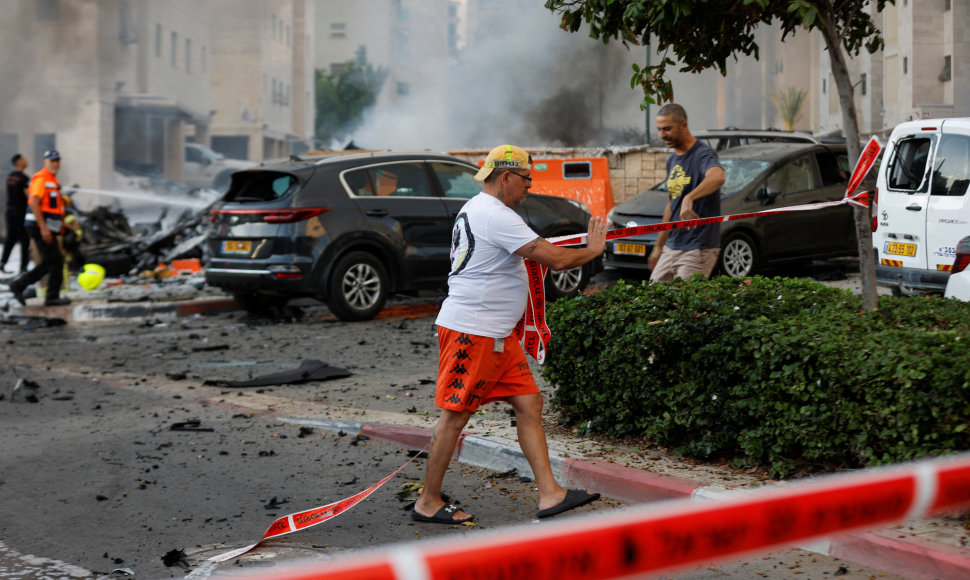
677,181
462,243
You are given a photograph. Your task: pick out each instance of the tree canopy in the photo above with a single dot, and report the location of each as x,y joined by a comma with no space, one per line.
344,95
703,34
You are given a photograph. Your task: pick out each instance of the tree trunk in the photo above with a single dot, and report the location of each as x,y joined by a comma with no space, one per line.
850,124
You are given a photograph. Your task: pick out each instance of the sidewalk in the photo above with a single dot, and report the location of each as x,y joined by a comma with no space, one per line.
920,550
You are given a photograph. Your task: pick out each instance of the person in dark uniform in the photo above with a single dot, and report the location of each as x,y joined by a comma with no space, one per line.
17,182
47,226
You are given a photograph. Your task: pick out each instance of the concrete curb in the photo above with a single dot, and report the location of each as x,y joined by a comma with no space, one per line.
912,557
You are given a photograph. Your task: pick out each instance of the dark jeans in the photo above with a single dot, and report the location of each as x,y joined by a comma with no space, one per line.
51,262
16,234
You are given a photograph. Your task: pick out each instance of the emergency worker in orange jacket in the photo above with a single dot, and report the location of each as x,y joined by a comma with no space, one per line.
45,224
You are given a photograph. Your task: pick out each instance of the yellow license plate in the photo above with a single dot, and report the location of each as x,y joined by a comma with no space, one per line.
631,249
900,249
237,247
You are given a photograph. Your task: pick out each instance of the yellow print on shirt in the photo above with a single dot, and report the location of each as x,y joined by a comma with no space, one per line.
677,181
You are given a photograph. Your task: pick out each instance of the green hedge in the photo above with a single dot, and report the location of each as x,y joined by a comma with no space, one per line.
776,372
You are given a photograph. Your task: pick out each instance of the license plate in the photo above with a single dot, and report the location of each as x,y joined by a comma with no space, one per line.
900,249
237,247
630,249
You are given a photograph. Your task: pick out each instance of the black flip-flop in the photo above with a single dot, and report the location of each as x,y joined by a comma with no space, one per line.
442,516
574,498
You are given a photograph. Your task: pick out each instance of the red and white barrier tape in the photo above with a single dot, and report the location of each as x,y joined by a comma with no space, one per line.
311,517
860,199
656,538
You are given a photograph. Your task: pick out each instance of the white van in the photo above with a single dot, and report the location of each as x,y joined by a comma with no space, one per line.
922,209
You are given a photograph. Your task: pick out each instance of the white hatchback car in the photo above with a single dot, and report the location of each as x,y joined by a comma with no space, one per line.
958,284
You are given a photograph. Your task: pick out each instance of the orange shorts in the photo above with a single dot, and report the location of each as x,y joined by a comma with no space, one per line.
471,372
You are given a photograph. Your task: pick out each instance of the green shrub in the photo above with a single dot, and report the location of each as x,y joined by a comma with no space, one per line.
771,371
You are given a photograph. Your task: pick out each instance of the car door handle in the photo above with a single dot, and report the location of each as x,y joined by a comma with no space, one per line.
376,212
914,207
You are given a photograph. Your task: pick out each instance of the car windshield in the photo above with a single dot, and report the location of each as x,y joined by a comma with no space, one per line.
738,173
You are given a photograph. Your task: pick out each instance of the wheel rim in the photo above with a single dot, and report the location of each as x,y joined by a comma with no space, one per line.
361,286
738,258
567,281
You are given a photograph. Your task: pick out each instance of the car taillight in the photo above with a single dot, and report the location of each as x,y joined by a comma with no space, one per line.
962,259
874,208
273,216
286,272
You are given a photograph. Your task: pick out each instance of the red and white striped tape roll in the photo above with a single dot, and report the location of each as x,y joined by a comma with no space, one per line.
656,538
311,517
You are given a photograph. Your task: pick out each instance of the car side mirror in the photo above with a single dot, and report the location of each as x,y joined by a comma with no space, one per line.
767,195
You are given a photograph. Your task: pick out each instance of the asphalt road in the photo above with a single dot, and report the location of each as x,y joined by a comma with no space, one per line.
93,475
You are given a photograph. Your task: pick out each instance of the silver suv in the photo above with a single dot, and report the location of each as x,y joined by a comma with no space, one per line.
721,139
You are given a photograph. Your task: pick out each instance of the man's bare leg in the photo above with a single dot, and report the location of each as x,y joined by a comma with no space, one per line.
532,440
446,433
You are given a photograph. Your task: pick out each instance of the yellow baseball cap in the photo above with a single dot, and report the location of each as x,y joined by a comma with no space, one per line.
504,156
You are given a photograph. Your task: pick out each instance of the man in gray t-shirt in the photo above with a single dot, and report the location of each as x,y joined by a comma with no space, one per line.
694,179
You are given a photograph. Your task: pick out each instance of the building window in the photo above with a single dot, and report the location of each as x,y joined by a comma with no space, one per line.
175,40
48,10
946,5
158,40
338,29
188,55
43,142
947,72
128,29
403,89
905,65
862,84
287,35
402,12
823,86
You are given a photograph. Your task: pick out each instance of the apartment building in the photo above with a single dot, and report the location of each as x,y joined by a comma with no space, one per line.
921,73
106,82
262,77
118,86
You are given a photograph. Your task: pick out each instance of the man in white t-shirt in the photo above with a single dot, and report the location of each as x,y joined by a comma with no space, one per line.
480,360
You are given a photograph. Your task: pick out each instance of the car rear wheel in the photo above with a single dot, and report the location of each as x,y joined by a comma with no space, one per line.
358,287
739,256
566,283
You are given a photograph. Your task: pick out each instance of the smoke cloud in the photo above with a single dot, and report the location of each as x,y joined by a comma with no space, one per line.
524,81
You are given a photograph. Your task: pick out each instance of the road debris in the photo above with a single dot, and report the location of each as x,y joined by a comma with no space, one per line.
309,370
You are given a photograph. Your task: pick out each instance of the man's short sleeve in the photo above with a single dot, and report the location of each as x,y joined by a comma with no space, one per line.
708,159
37,187
508,231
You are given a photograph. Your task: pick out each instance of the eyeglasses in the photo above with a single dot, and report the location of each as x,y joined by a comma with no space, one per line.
525,177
